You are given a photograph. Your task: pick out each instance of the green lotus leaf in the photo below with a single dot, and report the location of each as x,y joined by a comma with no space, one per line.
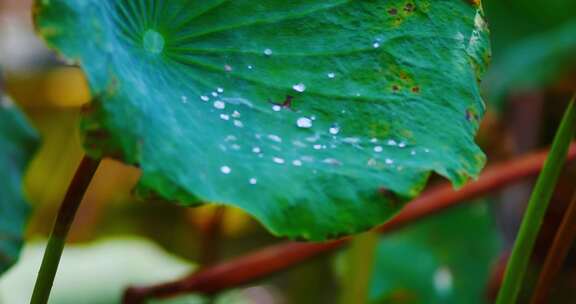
18,142
320,118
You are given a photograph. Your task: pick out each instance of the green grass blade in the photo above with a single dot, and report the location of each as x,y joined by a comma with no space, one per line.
537,207
360,263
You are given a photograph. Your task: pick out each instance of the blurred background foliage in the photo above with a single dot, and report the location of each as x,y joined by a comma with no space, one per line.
118,240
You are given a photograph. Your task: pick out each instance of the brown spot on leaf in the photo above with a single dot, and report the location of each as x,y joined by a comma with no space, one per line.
471,115
287,103
410,7
393,11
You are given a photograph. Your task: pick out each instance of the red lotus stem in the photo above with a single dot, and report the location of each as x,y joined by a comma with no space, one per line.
263,262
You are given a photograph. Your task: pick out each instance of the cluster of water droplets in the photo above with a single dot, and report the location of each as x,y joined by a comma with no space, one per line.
320,136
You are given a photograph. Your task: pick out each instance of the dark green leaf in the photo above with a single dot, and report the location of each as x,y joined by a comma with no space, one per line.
298,112
446,259
534,43
535,62
17,143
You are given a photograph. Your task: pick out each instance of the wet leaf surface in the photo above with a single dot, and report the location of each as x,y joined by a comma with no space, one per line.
298,112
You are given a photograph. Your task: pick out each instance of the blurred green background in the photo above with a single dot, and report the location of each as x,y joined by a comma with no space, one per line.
118,240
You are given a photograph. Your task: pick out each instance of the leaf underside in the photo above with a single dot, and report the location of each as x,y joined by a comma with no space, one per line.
320,118
17,144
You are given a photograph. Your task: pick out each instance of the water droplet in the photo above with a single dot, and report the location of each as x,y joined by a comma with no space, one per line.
253,181
218,104
376,45
312,138
331,75
184,99
230,138
205,98
389,161
317,147
256,150
374,140
275,138
427,150
351,140
227,68
299,144
153,42
238,124
235,114
402,145
276,108
225,169
214,94
220,90
307,158
299,87
332,161
304,122
335,129
413,152
250,67
392,142
224,116
297,163
378,149
278,160
268,52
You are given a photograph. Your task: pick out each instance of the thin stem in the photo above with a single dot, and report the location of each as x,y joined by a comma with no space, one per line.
66,214
359,265
557,254
536,209
211,238
266,261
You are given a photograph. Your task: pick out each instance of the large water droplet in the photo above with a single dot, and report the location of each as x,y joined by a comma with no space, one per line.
220,105
153,42
335,129
304,122
225,169
267,52
299,87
